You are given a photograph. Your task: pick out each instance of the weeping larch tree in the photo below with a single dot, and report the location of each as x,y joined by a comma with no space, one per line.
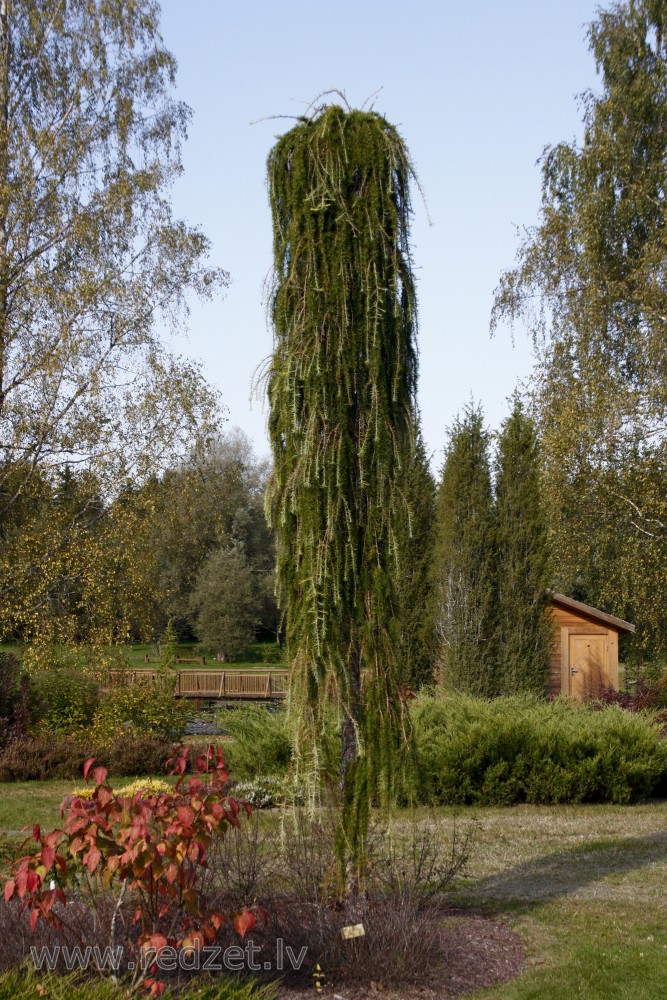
342,400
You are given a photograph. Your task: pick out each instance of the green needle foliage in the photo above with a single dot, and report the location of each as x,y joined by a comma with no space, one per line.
341,389
417,633
523,632
464,567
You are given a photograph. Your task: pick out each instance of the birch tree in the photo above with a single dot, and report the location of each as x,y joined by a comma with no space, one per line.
93,266
589,282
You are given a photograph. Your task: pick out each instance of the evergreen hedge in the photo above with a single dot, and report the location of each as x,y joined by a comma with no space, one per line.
520,749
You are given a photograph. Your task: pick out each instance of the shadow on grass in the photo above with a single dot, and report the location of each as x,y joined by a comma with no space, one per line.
551,876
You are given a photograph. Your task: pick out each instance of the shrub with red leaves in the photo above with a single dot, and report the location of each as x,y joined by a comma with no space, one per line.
644,695
148,848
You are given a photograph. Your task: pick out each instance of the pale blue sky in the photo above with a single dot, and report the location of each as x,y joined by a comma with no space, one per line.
476,90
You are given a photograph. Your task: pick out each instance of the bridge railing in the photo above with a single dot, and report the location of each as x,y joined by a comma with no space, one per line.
232,684
241,684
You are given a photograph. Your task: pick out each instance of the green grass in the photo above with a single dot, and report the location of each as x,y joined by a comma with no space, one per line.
584,886
25,984
590,951
24,803
254,658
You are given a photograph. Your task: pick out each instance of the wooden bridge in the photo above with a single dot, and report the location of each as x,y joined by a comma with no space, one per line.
217,685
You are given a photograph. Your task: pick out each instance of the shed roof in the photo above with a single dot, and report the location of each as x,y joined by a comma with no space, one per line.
586,609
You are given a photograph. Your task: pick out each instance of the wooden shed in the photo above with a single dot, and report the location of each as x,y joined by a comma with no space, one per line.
584,656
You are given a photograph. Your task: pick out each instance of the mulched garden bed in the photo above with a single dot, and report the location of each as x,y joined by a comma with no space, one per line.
476,952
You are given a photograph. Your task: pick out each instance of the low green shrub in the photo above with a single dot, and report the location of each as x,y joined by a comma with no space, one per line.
271,653
131,710
263,742
520,749
64,698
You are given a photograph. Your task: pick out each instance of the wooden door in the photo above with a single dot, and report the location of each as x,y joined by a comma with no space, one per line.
588,664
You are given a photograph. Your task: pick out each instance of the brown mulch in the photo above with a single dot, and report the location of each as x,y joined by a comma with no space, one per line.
476,952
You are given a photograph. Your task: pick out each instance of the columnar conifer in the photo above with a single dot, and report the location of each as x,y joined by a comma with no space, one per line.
341,390
464,569
523,632
417,639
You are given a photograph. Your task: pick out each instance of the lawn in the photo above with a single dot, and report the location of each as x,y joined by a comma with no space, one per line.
258,656
585,887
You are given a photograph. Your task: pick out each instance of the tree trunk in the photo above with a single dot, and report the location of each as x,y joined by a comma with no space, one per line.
349,735
4,179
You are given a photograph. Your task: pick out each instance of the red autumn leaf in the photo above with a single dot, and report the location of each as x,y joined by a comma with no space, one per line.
10,885
92,858
76,825
86,768
34,917
208,932
33,881
48,856
36,832
244,922
194,940
178,764
186,815
247,807
100,775
104,795
155,942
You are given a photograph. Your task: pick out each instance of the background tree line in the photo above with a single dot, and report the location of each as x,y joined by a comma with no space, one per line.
190,546
589,283
121,507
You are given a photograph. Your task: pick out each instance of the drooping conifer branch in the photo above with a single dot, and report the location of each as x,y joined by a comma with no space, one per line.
341,389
